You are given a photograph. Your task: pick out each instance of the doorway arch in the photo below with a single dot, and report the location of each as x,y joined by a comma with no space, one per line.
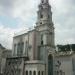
50,64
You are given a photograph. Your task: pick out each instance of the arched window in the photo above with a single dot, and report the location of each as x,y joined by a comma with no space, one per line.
40,22
20,48
50,64
30,72
42,1
34,72
42,39
38,72
26,72
41,16
42,72
50,57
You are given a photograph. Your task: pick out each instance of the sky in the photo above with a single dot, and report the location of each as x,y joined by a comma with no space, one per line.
20,15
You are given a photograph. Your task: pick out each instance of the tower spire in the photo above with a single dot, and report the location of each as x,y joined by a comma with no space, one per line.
44,14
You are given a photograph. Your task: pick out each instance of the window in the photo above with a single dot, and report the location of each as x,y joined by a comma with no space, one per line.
57,72
30,72
34,72
9,63
42,39
26,72
39,73
20,49
14,46
40,22
42,1
61,72
15,49
42,42
50,64
41,16
42,72
26,48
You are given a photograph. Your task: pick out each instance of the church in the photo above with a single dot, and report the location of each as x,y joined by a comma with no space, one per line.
33,51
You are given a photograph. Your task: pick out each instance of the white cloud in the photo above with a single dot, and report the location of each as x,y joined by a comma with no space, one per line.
6,35
63,18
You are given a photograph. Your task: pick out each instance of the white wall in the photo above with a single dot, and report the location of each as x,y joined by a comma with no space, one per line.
66,64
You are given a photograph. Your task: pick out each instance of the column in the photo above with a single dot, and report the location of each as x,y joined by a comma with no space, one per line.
24,49
16,50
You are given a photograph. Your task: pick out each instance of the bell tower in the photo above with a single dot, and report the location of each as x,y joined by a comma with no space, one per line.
44,14
44,23
45,27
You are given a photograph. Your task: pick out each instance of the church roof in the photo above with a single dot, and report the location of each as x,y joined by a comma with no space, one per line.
23,32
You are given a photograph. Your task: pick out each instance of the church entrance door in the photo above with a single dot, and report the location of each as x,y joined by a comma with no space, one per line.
50,65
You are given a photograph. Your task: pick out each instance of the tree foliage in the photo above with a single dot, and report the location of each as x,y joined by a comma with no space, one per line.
67,47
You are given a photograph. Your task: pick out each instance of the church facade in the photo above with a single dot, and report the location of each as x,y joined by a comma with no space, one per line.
33,52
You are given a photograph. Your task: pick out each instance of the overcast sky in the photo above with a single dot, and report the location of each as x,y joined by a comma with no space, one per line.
18,15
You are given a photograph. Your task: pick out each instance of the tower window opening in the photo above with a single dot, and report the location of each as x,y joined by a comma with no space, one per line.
42,42
41,16
42,1
40,22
